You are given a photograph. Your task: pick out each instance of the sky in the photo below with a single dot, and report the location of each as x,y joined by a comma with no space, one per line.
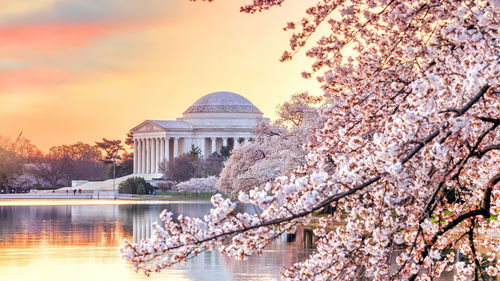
81,70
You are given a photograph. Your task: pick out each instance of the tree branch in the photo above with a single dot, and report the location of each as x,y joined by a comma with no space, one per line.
477,270
486,149
483,90
483,211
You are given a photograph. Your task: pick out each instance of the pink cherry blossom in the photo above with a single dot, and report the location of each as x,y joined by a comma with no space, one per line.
407,154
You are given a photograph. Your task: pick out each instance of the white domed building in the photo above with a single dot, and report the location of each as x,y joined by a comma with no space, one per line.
215,120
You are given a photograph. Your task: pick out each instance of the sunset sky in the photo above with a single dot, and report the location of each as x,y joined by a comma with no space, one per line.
80,70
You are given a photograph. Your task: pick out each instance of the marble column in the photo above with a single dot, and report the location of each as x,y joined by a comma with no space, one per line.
148,156
246,140
167,150
157,157
236,142
213,149
143,156
176,147
153,155
141,153
135,156
224,141
139,156
162,151
138,169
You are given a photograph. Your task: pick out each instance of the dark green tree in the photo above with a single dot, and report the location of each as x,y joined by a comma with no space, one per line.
195,151
140,189
125,167
135,185
129,140
111,149
225,151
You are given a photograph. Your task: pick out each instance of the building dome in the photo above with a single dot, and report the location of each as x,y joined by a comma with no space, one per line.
223,102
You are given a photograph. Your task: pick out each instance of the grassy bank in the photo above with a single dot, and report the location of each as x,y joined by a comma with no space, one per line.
188,194
170,195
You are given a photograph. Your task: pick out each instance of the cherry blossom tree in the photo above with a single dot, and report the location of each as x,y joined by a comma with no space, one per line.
198,185
278,149
415,109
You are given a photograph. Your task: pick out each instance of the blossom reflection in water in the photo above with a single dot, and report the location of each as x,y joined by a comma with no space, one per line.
81,242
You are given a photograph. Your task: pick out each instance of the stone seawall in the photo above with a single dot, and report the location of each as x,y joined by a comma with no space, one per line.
85,195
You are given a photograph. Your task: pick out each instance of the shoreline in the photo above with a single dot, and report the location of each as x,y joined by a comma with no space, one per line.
93,197
6,202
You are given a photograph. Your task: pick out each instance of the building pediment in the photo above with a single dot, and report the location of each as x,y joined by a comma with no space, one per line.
147,126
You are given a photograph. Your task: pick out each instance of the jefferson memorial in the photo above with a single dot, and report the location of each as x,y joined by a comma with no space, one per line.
215,120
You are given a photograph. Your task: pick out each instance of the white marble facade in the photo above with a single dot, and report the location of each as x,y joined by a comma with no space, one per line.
215,120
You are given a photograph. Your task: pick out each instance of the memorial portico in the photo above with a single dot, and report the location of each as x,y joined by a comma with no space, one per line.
215,120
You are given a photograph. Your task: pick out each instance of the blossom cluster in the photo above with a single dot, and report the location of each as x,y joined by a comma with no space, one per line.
277,151
198,185
408,154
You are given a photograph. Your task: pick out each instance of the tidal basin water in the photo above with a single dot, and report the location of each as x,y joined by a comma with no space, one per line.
78,241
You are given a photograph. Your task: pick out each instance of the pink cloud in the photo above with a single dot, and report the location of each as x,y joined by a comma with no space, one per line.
31,77
54,36
47,40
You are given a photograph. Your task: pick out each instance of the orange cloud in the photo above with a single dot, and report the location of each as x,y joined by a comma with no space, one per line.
31,77
55,36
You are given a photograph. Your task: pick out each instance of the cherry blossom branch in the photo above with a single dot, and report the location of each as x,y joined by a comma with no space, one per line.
305,35
470,214
473,151
486,149
260,5
420,145
481,93
477,268
325,203
428,211
489,119
483,211
432,201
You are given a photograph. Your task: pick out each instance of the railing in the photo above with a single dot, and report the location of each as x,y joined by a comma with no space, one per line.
45,196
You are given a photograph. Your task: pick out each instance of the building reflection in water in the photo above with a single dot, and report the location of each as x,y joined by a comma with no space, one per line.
142,226
80,242
143,216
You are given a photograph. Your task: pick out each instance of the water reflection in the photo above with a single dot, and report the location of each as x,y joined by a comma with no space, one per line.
80,242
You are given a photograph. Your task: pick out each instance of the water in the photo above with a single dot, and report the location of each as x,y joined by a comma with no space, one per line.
81,242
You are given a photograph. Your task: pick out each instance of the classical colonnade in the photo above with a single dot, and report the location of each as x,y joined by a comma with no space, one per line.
149,152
